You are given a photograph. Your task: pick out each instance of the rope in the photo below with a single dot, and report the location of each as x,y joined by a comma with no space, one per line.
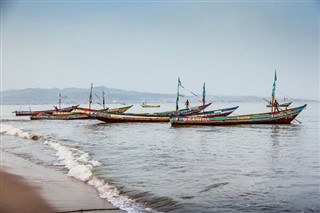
286,95
101,104
190,92
198,95
71,101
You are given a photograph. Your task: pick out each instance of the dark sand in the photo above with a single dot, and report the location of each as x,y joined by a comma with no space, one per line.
27,187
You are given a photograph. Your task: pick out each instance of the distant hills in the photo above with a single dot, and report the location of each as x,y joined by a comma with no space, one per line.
32,96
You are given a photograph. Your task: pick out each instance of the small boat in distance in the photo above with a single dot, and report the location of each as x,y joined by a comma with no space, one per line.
145,105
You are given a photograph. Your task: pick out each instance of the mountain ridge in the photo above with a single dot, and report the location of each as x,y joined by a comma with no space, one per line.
81,95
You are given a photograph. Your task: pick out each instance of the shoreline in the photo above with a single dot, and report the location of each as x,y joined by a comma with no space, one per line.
51,191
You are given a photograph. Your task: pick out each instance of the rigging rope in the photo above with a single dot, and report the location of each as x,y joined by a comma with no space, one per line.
71,101
198,96
286,95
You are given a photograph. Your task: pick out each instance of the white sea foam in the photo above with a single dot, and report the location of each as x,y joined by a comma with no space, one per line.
81,167
10,130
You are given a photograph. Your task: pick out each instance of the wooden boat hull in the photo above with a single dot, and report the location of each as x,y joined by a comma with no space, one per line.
213,113
117,110
281,105
282,117
61,116
114,110
119,118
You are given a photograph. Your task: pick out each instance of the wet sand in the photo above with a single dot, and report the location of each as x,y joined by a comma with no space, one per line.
27,187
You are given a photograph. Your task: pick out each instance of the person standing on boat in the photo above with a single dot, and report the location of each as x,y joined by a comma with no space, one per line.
187,104
276,106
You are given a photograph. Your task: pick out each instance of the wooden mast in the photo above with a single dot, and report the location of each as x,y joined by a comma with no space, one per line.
273,95
177,100
90,96
204,95
60,100
103,100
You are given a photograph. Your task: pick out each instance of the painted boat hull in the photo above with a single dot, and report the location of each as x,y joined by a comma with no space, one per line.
212,114
119,118
114,110
282,117
60,116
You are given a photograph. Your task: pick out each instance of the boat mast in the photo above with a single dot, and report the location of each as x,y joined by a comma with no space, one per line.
177,100
204,95
103,100
60,100
90,96
273,95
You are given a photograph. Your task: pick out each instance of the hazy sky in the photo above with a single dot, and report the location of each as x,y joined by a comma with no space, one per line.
233,46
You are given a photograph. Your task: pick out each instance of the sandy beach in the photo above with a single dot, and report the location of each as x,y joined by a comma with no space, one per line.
27,187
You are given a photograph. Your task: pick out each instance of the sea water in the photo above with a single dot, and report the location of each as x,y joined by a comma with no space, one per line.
153,167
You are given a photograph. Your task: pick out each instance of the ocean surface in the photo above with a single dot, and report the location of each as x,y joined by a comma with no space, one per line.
153,167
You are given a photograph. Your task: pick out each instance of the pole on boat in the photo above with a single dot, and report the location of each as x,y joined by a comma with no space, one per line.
273,95
297,121
177,100
103,100
60,100
90,96
293,119
204,95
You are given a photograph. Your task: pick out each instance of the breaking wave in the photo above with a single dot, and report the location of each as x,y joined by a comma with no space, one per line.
81,166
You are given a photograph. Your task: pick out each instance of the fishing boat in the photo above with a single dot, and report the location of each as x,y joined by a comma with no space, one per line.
119,118
144,105
49,112
164,116
154,117
104,110
141,117
78,113
107,110
281,117
276,116
212,113
280,105
284,104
